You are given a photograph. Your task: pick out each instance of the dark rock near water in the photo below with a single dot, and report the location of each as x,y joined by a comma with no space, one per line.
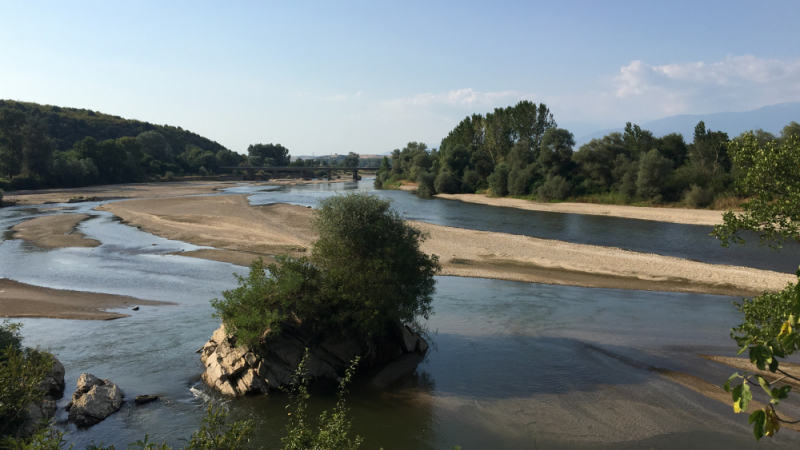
236,371
142,399
94,400
135,308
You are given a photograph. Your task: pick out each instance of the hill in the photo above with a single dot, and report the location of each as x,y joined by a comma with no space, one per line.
70,125
53,146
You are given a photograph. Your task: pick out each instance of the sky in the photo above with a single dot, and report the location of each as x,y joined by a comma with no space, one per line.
369,77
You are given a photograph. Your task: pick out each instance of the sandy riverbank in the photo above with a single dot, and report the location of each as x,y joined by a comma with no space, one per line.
230,223
50,232
23,300
672,215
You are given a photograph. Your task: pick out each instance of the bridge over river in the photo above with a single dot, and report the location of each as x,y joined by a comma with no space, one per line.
303,170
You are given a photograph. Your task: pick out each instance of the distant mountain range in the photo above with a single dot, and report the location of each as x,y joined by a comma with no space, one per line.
769,118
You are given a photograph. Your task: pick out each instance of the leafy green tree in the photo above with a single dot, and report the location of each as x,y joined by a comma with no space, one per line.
38,147
770,331
555,155
446,183
155,144
278,154
366,271
673,147
637,140
555,187
654,171
498,180
793,129
12,141
351,160
709,154
597,159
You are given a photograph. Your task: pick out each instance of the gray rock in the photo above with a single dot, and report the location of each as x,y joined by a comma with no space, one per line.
236,371
53,382
142,399
94,400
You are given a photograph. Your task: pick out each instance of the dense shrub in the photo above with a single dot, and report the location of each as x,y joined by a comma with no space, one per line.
698,197
426,184
554,188
498,180
446,183
21,182
654,171
365,271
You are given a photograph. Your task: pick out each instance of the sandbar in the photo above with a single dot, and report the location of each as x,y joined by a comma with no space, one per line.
24,300
56,231
230,223
671,215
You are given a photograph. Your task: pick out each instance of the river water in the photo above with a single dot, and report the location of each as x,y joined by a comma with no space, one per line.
513,365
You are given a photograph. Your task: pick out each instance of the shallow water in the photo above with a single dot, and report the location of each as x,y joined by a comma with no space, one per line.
513,365
670,239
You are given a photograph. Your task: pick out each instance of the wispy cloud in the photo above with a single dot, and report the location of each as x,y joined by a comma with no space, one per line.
335,98
460,97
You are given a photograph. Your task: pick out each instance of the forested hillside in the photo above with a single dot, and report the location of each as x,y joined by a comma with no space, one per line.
51,146
520,151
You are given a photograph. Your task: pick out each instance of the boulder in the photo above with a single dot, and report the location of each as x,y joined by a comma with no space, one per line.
237,371
53,383
93,401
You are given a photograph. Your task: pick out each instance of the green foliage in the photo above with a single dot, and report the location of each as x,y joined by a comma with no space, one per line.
554,188
365,272
374,272
697,197
770,176
21,371
46,438
217,432
498,180
447,183
426,184
764,315
654,171
258,305
332,431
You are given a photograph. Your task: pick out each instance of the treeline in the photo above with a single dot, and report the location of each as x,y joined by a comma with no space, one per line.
520,151
49,146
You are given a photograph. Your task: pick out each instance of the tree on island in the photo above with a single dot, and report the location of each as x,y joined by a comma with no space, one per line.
274,155
366,271
770,330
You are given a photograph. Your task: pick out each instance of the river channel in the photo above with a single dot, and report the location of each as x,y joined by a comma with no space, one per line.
513,365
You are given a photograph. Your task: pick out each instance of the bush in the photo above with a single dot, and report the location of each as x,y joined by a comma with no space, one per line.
471,182
697,197
21,371
446,183
654,171
498,180
169,176
519,181
426,184
202,171
20,183
554,188
365,272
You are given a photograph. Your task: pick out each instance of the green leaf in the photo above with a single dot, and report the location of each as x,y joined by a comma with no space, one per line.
759,420
727,385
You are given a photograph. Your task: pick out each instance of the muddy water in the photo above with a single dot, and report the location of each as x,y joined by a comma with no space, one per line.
513,365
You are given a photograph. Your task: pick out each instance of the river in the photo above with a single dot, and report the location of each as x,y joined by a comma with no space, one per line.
513,365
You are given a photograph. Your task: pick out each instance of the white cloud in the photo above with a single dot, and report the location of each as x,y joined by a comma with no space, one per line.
335,98
735,83
460,97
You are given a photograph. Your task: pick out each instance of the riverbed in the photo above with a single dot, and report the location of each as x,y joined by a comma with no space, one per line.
513,365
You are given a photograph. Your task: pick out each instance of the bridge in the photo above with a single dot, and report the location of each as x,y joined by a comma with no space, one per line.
328,170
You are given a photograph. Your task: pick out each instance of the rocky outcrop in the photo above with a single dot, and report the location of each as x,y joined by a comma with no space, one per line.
93,401
53,387
237,371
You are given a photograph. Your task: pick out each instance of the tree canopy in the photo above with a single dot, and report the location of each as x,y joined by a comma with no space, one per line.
365,272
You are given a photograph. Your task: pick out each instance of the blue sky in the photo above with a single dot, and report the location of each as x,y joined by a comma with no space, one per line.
368,77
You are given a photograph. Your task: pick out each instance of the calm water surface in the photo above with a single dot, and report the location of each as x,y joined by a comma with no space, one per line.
513,365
